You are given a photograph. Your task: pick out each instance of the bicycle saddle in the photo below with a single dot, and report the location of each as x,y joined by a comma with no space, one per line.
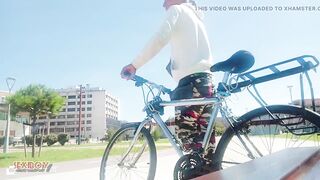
239,62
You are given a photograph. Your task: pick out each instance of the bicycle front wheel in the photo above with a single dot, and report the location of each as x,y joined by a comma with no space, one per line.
139,163
260,133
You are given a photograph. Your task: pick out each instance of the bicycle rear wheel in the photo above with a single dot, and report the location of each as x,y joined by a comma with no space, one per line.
140,163
263,134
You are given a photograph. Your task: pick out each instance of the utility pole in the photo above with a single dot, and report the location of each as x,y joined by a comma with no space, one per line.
10,83
80,109
290,91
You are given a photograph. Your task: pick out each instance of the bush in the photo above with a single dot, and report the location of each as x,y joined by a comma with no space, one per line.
38,140
156,134
219,129
29,140
63,138
51,139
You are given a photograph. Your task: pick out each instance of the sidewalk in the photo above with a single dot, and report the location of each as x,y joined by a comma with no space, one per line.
89,169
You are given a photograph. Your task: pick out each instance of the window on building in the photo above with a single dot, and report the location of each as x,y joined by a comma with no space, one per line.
82,129
70,123
82,115
71,109
82,102
83,96
61,117
12,133
2,99
82,109
89,115
70,129
72,103
59,129
71,97
89,102
54,130
52,123
71,116
89,122
89,96
63,110
88,128
61,123
89,108
82,122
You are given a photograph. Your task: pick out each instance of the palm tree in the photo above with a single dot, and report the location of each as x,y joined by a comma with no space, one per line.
36,100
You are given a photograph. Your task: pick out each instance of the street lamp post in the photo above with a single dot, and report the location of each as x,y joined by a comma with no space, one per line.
80,114
10,83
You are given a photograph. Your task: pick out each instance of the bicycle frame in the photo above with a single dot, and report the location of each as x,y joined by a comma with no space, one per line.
215,101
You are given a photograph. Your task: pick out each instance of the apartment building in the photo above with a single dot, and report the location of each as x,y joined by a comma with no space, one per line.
91,107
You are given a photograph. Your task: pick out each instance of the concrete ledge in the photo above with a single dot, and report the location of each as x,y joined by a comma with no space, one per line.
289,164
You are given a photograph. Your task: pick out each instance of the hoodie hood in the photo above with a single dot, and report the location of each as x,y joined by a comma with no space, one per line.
193,7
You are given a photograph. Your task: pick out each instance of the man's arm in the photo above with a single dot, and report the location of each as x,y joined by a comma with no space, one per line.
159,40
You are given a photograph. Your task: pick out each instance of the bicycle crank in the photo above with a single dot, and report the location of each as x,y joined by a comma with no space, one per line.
187,167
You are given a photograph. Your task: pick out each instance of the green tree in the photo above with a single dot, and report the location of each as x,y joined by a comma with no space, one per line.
37,100
63,138
109,133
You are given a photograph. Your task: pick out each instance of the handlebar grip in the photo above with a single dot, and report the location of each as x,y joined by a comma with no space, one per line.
139,79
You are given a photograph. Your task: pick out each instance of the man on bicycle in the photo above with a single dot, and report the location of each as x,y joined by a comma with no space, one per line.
189,66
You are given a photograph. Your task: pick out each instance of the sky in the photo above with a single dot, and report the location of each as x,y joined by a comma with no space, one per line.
65,43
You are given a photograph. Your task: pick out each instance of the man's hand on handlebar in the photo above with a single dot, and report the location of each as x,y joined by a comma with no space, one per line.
128,72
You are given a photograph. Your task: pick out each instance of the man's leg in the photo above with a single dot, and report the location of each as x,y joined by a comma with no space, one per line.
192,121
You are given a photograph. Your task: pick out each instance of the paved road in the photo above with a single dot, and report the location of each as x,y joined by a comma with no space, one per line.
89,169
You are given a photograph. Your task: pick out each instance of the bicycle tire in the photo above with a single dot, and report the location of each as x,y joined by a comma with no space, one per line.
292,121
151,153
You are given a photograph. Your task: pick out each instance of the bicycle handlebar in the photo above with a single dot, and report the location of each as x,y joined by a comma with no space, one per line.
140,81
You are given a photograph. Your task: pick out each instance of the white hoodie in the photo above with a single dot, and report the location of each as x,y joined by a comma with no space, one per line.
190,48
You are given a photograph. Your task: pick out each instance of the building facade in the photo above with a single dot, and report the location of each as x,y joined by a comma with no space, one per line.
91,109
308,104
